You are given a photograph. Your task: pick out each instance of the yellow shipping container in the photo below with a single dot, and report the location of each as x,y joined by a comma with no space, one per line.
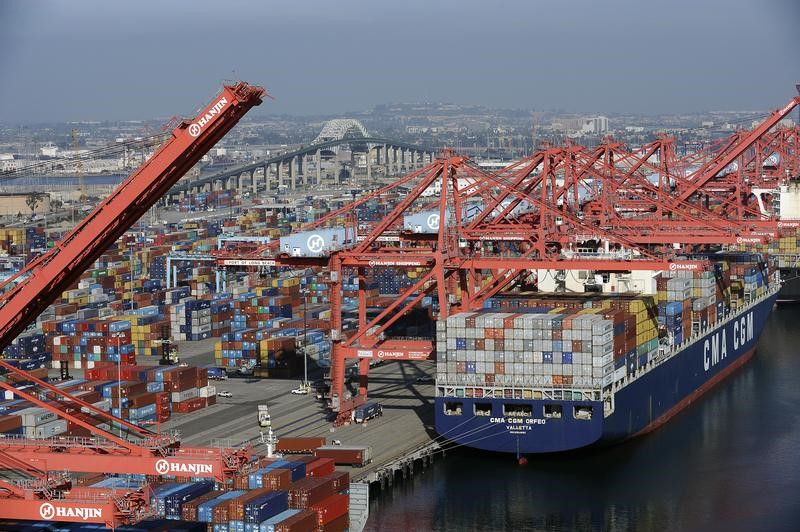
636,305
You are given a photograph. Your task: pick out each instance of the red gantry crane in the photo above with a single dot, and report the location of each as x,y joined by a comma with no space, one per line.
29,292
487,232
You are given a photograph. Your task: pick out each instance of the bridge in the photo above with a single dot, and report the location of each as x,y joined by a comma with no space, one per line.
341,128
304,166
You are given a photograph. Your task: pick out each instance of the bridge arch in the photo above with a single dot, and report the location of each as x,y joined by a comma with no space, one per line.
341,128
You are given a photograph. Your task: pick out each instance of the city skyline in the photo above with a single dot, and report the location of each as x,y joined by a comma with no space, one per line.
88,60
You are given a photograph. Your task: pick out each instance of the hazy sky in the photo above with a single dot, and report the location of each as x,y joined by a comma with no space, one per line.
105,59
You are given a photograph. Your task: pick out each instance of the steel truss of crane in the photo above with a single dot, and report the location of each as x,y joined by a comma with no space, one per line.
649,207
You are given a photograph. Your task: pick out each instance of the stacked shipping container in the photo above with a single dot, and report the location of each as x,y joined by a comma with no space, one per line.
587,341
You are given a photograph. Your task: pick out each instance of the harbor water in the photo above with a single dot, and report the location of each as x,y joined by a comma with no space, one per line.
731,461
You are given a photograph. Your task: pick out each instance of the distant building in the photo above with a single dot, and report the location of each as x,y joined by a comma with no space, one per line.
49,150
8,163
568,124
596,125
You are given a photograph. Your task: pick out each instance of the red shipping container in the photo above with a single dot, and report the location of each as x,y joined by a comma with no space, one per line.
236,506
140,400
189,509
341,481
301,522
346,456
9,423
190,405
320,467
220,513
340,524
162,398
80,432
306,492
277,479
197,403
241,481
304,459
88,396
331,508
299,445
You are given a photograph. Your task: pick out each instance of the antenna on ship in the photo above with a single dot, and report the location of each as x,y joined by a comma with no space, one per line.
270,441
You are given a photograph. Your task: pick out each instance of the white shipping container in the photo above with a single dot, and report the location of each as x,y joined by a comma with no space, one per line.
191,393
104,405
603,338
47,430
34,416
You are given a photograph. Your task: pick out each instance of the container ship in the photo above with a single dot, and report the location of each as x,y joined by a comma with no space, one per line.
541,373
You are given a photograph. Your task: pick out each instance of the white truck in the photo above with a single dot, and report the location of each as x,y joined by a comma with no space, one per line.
264,419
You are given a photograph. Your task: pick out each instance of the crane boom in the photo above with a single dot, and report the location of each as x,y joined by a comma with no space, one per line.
719,164
41,282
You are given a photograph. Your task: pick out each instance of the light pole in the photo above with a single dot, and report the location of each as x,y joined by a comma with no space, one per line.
303,292
118,336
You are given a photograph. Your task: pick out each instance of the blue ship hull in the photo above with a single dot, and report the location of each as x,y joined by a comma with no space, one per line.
640,405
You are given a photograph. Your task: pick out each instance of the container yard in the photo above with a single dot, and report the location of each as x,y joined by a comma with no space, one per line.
260,372
103,313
